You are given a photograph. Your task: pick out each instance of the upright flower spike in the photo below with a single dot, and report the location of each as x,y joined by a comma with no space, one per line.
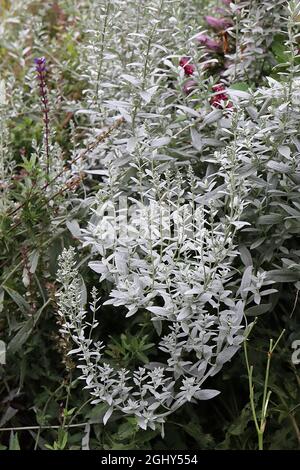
40,67
188,68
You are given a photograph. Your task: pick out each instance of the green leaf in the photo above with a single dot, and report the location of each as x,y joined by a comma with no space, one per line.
21,337
25,330
242,86
279,49
14,441
62,439
18,299
245,255
206,394
270,219
283,275
258,310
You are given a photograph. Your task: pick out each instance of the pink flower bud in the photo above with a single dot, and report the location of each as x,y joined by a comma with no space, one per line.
189,86
183,61
188,68
218,87
218,24
211,44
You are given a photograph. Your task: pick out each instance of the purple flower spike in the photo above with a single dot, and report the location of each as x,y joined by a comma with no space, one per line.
218,24
40,64
40,67
209,43
40,60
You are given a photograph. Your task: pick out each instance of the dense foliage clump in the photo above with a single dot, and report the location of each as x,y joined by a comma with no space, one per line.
149,219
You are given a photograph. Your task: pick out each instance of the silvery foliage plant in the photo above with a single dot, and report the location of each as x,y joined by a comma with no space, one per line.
130,64
257,22
6,163
178,212
180,276
269,148
170,251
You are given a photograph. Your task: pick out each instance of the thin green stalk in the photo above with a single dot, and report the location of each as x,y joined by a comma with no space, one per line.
260,424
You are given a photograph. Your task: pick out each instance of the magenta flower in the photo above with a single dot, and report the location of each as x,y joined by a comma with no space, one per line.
188,68
220,100
227,2
218,24
189,86
209,43
218,87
